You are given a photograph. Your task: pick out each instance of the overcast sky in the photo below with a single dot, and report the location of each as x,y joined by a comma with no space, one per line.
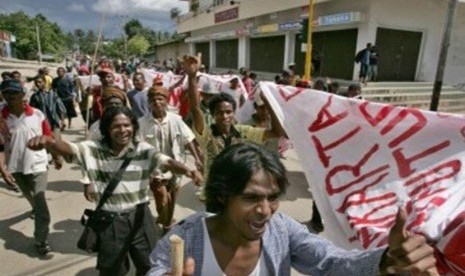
85,14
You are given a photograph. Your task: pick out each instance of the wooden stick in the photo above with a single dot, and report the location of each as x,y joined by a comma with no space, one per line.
90,97
177,255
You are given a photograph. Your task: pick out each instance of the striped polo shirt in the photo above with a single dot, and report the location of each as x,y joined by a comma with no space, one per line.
100,163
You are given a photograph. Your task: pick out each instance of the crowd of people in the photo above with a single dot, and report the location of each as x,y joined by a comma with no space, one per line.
237,170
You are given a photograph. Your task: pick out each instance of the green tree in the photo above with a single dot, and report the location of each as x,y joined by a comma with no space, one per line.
174,13
132,28
138,45
53,40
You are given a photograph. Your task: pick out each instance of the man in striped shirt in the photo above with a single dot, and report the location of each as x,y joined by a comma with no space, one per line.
101,160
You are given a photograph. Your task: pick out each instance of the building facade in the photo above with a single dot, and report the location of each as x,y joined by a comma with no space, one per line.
263,35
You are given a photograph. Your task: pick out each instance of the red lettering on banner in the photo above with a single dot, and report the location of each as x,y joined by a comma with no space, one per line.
382,114
404,164
287,98
324,158
421,122
369,217
355,172
358,197
325,118
454,166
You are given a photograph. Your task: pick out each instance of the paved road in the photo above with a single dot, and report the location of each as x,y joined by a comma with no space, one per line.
66,203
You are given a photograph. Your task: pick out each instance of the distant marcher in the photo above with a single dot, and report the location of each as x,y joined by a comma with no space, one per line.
363,57
353,91
138,96
48,78
50,104
320,85
373,69
247,81
235,91
333,88
294,77
6,76
64,87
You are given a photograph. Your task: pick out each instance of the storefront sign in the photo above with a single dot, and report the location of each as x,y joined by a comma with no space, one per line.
292,25
268,28
227,15
336,19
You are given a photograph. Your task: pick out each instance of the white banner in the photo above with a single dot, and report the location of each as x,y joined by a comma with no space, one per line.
95,81
363,160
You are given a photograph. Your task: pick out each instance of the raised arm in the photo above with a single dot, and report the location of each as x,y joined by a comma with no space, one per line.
191,67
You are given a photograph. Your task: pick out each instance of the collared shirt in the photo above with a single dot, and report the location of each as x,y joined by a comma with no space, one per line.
20,129
286,244
213,142
139,102
101,163
169,136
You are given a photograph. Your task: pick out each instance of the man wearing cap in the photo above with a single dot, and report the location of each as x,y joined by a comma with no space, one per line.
20,165
168,133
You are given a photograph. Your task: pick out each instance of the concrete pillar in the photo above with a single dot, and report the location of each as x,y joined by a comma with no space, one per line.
289,48
243,52
191,47
212,54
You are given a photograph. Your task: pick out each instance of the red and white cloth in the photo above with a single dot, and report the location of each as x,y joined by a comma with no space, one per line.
363,160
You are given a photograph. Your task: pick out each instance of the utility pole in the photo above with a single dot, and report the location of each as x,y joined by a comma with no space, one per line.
443,56
125,37
308,55
39,49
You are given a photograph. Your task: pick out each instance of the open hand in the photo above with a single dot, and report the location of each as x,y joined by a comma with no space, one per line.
191,64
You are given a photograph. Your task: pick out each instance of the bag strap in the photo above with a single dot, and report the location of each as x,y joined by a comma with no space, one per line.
113,183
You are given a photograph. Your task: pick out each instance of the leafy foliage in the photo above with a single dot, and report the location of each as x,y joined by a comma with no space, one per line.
52,38
138,45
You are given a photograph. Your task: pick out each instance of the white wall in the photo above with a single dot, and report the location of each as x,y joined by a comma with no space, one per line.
247,9
427,16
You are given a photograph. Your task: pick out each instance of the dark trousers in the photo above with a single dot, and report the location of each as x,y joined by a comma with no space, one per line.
115,243
164,192
33,187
